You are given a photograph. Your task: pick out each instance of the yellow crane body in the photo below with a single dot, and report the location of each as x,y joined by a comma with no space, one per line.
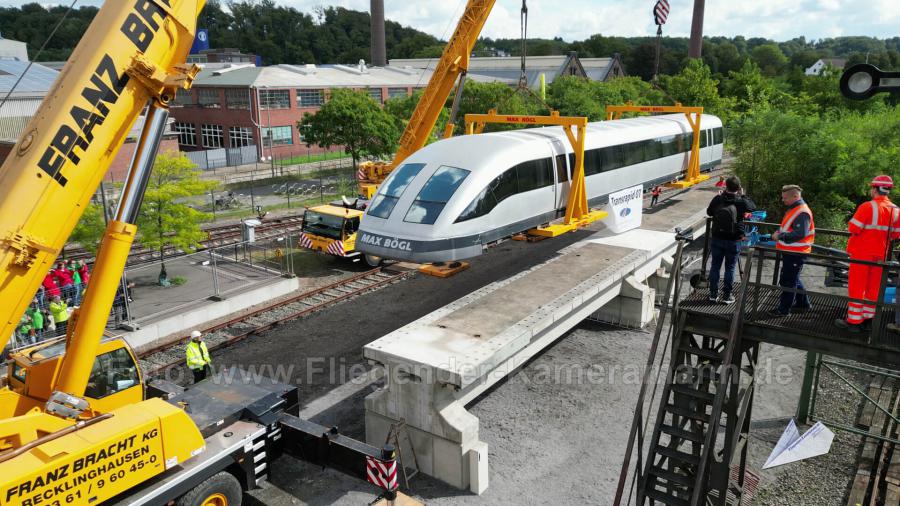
63,438
453,62
64,152
93,462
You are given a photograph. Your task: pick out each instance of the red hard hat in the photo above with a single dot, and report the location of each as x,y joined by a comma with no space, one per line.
882,182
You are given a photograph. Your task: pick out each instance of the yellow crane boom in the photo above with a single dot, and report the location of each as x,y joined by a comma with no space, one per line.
454,62
131,53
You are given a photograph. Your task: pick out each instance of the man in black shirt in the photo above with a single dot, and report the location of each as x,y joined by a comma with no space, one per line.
727,211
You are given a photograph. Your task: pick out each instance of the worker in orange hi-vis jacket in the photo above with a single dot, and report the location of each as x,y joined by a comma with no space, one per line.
872,228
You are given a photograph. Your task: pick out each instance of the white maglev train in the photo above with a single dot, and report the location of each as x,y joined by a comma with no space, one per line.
453,198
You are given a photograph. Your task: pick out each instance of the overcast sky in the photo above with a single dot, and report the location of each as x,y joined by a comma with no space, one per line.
578,19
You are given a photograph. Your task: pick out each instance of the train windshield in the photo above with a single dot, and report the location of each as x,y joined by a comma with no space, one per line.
323,225
435,195
393,188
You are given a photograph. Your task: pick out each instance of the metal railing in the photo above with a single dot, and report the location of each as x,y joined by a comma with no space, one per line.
640,421
212,274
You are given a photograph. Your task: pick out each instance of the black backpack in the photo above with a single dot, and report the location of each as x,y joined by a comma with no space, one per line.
725,221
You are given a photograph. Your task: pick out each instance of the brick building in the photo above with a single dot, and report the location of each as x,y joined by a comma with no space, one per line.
24,101
236,106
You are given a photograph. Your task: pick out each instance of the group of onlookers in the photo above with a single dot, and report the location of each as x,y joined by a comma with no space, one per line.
61,291
873,228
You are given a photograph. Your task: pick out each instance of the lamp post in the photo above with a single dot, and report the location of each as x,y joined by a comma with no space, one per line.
269,126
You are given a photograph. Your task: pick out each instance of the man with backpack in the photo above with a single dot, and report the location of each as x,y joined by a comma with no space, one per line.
727,211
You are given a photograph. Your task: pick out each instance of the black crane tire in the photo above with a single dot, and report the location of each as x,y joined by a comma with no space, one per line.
220,489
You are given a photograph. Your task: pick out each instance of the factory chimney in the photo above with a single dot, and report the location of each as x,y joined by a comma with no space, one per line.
695,49
379,50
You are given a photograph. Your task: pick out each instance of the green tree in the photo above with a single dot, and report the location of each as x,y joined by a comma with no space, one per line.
90,228
479,98
769,58
695,86
166,220
351,119
574,96
729,57
831,157
401,109
750,89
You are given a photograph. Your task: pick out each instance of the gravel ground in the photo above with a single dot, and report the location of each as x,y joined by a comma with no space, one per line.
551,440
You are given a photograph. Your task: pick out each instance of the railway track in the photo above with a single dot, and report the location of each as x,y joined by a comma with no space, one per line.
224,235
877,479
155,361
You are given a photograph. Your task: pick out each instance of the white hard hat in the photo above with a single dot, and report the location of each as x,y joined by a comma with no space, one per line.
195,334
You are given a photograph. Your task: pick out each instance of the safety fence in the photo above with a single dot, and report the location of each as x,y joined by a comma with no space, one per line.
259,199
145,294
224,157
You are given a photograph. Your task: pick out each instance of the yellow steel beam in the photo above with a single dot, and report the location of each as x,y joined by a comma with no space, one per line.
577,212
693,115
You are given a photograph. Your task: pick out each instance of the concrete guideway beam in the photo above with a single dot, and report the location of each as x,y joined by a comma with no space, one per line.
438,364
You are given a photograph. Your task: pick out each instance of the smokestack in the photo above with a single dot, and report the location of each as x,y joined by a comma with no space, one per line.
696,47
379,50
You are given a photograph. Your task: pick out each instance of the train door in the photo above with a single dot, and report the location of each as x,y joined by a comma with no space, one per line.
563,173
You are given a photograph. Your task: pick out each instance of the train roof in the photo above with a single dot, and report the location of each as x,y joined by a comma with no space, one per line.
475,151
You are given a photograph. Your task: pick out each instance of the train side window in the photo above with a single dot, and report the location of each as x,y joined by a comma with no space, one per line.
562,170
393,188
502,187
112,372
703,139
593,161
435,195
534,174
612,157
653,149
668,146
634,153
685,142
718,135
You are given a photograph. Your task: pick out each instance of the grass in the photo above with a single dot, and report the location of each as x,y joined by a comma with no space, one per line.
293,178
298,204
311,158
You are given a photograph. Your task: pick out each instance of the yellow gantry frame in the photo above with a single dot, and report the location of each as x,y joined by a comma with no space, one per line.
693,115
577,212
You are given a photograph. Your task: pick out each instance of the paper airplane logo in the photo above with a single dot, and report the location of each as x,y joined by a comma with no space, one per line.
792,446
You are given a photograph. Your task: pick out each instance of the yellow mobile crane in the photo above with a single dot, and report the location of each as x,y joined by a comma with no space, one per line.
454,63
331,228
77,423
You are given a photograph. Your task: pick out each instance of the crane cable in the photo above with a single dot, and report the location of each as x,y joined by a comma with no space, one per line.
523,87
523,32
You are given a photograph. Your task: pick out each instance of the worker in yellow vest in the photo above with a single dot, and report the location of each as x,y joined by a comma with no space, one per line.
198,360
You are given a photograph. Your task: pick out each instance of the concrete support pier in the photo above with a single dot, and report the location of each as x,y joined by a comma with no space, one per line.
438,364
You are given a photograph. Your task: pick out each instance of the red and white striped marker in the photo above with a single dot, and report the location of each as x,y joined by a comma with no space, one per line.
382,474
360,174
661,11
336,248
305,242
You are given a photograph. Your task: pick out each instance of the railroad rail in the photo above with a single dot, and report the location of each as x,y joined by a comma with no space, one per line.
877,479
223,235
157,360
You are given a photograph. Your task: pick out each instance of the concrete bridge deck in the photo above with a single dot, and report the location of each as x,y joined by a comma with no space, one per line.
438,364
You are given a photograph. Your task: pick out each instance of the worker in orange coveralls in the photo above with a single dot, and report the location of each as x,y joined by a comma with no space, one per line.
872,228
